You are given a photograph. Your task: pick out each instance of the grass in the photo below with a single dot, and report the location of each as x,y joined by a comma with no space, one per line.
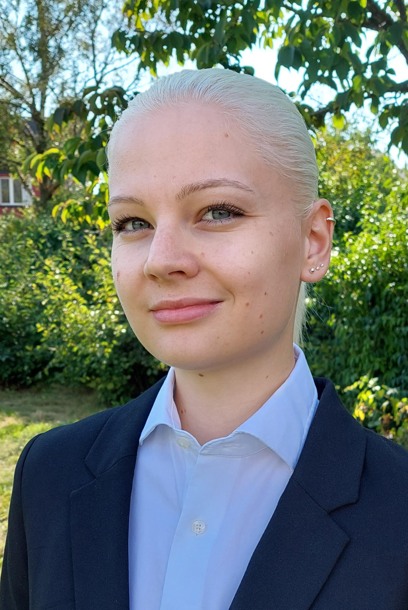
25,413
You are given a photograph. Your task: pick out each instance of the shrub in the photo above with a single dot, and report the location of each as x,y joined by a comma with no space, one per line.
380,408
360,325
60,317
358,315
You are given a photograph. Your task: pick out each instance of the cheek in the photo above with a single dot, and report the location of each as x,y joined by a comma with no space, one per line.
124,271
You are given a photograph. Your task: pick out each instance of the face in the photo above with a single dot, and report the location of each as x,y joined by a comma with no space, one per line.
208,249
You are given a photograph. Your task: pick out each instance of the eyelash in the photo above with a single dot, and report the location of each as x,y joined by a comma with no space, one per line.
224,206
118,225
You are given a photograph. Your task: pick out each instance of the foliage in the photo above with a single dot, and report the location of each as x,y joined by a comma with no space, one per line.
358,324
22,357
380,408
56,63
60,317
349,169
346,46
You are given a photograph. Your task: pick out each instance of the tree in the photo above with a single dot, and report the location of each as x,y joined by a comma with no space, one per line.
345,45
54,56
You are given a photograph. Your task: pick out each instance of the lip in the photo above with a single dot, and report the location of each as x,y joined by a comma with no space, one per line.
181,311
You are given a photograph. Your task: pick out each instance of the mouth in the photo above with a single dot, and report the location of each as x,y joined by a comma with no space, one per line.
181,311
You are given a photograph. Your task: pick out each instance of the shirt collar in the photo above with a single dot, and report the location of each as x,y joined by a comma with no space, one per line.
282,423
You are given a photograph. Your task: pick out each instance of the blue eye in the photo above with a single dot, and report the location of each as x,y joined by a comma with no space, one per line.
221,212
217,214
129,225
136,224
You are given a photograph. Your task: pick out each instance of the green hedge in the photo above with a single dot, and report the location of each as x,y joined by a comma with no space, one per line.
60,318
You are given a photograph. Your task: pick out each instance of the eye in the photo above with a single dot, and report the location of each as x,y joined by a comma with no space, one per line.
221,212
127,224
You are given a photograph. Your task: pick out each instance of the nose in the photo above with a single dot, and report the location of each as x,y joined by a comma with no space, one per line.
171,253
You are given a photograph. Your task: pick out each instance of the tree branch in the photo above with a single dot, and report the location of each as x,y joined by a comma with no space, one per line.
15,92
381,21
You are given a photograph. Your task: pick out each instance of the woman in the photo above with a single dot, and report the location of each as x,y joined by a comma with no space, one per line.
252,487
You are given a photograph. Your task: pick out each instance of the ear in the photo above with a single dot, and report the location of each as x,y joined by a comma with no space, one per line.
318,232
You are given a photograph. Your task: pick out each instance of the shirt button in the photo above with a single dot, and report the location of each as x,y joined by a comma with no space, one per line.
198,527
183,442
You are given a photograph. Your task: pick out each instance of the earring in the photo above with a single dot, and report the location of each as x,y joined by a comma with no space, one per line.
331,219
313,269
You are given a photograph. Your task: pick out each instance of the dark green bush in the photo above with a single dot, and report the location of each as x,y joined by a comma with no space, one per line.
358,315
359,321
60,317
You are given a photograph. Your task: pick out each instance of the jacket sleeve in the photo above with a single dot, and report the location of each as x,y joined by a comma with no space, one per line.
14,585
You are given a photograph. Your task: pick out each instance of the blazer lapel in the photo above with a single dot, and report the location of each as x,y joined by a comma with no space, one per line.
100,510
302,542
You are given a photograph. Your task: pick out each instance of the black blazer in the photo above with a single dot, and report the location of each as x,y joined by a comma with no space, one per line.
338,539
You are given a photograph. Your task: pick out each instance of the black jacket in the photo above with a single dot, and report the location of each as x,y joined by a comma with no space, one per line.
338,539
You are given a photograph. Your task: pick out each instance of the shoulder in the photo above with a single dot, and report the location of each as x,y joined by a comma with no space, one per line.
382,457
114,430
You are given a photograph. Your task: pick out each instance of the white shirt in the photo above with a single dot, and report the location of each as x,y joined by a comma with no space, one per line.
198,512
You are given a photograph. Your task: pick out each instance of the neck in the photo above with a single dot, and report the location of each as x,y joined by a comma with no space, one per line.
212,404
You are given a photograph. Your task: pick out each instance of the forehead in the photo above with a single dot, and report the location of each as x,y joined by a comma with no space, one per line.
177,124
185,133
182,144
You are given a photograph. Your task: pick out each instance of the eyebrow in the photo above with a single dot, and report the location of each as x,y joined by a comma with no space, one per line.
125,199
188,189
212,183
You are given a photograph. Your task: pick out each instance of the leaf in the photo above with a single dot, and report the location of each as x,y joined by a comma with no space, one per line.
286,56
342,68
338,121
58,116
71,145
355,10
88,155
101,159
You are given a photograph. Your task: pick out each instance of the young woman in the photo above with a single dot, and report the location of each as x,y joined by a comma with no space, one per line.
239,482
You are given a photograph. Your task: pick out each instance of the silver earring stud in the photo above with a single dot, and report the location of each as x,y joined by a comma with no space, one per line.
313,269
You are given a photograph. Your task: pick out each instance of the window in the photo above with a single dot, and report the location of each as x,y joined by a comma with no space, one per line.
5,191
18,191
12,192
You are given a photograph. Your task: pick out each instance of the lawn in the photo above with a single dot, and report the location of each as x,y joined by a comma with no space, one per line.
25,413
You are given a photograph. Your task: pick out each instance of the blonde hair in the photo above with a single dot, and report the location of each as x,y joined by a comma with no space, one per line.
265,114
